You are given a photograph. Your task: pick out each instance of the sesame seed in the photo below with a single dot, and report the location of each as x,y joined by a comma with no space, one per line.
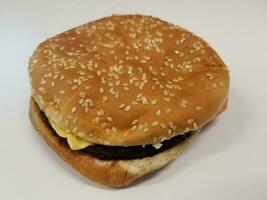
166,99
107,131
125,134
116,94
105,98
210,76
196,59
74,87
145,124
74,121
100,112
122,106
183,103
146,57
190,121
99,73
162,125
159,33
187,129
56,113
221,84
144,100
75,129
96,120
155,123
126,88
109,119
158,113
134,122
140,127
103,125
101,90
113,129
198,108
117,82
73,109
81,134
35,61
168,110
127,108
135,102
162,139
41,89
145,130
43,81
154,101
171,124
82,94
133,128
139,95
111,90
165,92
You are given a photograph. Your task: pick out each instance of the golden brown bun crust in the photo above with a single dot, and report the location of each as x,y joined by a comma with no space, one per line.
128,80
109,173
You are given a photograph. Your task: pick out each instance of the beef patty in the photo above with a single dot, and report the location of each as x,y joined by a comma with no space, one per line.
103,152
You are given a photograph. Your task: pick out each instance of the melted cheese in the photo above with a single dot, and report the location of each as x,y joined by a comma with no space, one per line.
74,141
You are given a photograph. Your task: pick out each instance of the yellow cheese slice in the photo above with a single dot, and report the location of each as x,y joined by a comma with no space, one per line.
75,142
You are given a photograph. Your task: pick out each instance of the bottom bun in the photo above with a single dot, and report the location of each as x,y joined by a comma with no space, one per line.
117,173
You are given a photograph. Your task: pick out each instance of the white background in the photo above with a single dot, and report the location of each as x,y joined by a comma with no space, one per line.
227,161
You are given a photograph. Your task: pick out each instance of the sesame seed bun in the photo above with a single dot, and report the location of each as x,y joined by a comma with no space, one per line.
128,80
118,173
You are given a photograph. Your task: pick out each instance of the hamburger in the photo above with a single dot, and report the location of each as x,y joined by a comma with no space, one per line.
122,96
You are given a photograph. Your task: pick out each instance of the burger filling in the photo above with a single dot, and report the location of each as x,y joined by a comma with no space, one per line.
104,152
75,142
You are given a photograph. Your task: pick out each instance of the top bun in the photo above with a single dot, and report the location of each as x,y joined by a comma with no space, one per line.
128,80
